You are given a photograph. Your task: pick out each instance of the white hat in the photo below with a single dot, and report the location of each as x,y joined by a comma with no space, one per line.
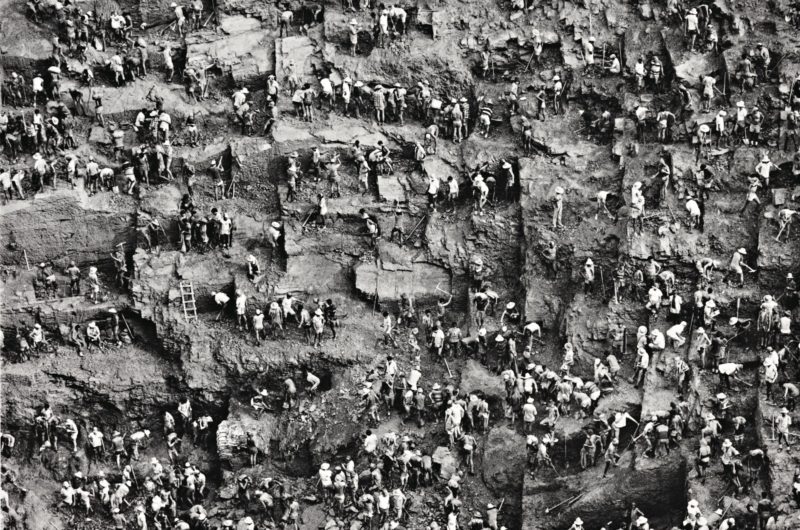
353,21
693,11
348,80
325,466
251,258
499,338
556,78
578,520
276,224
510,305
742,251
559,190
765,159
740,103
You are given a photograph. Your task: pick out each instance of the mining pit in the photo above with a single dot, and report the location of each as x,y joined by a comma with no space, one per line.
169,355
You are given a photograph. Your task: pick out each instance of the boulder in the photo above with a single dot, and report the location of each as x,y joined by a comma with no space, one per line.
446,462
476,377
503,462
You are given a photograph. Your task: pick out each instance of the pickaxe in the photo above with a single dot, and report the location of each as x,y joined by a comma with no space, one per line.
442,290
574,497
448,368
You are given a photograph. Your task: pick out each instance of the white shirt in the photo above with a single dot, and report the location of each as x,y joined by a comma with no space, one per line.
221,298
676,331
327,87
728,368
96,438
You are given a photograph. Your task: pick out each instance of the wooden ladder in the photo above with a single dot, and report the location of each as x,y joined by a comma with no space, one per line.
187,300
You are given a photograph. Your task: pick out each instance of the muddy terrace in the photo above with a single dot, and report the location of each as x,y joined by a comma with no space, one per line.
167,354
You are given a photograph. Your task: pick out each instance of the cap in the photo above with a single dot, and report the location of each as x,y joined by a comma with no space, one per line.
742,251
740,103
559,190
325,466
353,21
348,80
511,305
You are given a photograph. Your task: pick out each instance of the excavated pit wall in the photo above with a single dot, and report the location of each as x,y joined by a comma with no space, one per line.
46,228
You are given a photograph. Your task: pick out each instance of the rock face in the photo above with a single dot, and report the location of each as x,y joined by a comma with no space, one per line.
116,386
658,488
244,50
390,280
45,227
298,50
